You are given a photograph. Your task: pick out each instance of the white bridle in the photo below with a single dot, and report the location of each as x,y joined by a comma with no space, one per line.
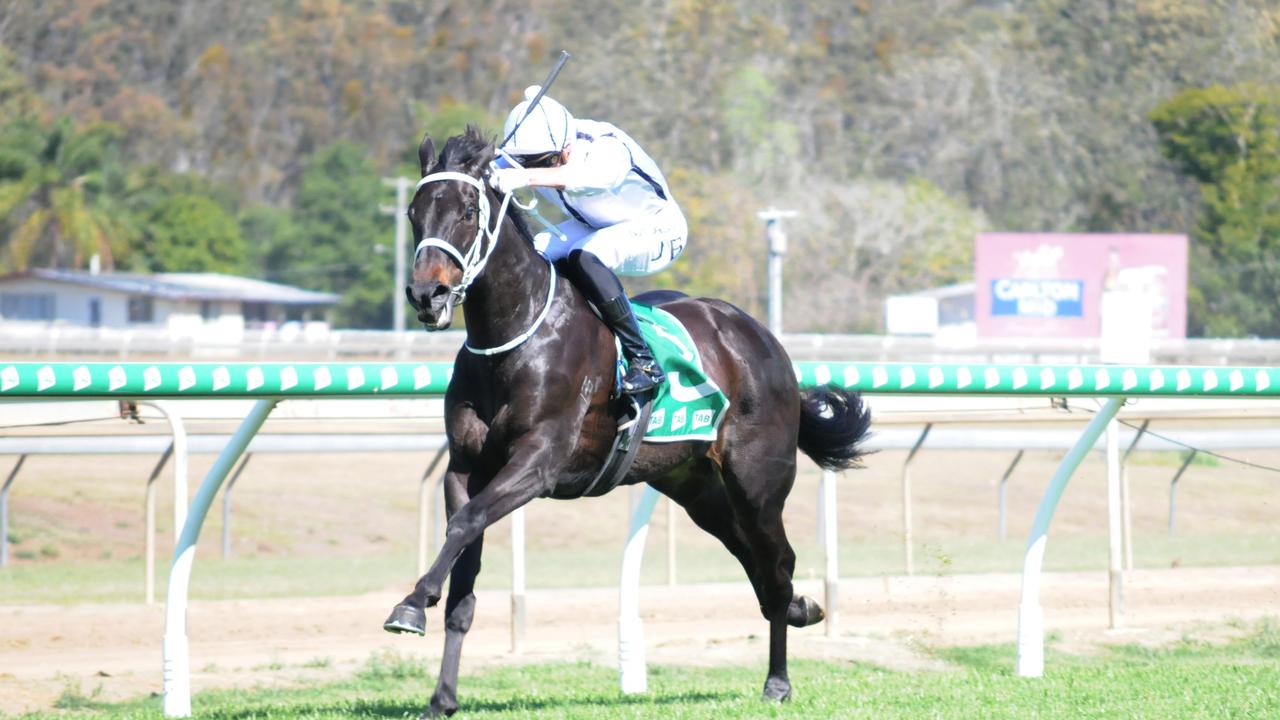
479,253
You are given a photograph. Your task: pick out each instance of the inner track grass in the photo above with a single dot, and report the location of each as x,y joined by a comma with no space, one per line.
1192,678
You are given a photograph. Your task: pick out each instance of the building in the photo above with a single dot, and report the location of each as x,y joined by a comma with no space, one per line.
184,304
938,312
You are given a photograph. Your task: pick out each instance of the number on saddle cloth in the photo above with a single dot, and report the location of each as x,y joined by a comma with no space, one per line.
689,406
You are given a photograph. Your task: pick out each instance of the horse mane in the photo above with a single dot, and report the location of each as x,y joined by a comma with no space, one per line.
463,152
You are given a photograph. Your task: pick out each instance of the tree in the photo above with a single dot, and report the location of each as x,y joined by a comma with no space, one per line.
54,204
192,233
337,241
854,244
1228,140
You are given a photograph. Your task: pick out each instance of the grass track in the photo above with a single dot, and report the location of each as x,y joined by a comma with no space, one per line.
1190,679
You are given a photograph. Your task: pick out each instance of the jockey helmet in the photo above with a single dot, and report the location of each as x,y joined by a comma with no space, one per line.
547,129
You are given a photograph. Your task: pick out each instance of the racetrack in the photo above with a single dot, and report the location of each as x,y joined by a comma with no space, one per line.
44,650
328,539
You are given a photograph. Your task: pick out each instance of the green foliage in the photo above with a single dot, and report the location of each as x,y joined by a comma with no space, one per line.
55,208
1035,115
1228,140
192,233
336,241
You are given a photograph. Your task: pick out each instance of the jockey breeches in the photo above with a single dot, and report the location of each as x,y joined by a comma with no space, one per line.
636,247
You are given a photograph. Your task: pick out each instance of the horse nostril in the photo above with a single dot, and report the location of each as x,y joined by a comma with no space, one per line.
438,290
413,301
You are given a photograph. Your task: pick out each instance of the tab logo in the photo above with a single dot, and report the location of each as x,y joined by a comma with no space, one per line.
679,418
657,420
703,418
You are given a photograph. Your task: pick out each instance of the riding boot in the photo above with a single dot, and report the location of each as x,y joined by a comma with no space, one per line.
603,289
643,372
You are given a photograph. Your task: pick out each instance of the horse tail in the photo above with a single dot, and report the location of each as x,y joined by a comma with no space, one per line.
833,422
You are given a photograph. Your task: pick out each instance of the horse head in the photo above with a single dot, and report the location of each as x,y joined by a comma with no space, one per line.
449,214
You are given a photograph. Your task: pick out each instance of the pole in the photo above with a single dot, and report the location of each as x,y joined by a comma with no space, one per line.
831,583
175,651
226,506
907,551
1004,480
1115,529
777,249
4,511
1030,662
631,663
517,580
401,246
149,585
1173,493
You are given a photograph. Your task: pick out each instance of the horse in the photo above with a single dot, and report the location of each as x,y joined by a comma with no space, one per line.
531,411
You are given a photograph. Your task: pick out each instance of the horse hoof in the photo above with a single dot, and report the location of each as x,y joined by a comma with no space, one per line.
406,619
777,689
804,611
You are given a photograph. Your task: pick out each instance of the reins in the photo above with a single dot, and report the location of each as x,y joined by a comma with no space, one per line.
473,263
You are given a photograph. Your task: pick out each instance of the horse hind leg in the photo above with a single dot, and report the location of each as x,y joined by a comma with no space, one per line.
757,490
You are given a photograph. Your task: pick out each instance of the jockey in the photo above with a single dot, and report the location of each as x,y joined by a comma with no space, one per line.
621,217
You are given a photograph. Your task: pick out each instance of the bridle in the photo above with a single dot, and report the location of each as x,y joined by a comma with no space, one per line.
478,254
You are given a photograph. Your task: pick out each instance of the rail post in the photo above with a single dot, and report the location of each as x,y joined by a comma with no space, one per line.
176,652
1030,662
4,511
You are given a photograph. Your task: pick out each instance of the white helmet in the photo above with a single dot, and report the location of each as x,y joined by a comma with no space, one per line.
548,128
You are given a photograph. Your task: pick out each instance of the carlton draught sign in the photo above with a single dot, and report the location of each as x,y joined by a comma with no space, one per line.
1051,284
1037,298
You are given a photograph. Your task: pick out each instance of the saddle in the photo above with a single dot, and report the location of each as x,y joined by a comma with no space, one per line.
688,407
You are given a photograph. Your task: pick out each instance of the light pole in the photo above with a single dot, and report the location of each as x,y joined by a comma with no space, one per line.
401,184
777,248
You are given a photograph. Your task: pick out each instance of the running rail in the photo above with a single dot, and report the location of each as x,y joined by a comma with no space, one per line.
270,383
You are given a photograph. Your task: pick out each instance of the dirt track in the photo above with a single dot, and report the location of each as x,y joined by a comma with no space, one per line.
45,649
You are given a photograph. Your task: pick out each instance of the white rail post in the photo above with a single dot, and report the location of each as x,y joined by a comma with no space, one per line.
1004,480
176,653
831,583
150,542
178,429
424,500
517,580
631,663
907,539
1126,499
4,511
1115,529
1030,661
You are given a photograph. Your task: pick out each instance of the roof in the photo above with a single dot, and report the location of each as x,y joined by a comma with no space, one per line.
184,286
944,292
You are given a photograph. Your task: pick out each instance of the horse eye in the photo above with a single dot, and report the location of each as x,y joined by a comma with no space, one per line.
471,212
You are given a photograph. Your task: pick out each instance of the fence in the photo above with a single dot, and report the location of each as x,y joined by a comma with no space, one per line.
269,384
292,342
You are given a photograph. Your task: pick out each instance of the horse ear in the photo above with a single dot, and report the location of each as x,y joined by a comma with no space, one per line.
426,154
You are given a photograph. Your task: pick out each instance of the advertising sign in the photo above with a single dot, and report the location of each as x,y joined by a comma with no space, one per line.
1051,284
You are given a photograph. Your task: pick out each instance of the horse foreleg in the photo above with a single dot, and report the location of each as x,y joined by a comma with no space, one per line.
514,486
459,610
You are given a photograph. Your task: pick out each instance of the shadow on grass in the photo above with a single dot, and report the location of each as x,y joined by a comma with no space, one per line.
396,708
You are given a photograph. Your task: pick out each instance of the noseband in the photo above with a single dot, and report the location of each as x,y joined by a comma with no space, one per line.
479,253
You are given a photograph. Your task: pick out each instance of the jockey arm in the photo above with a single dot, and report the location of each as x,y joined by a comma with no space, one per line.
599,165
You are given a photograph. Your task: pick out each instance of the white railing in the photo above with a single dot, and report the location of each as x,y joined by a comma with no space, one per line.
52,341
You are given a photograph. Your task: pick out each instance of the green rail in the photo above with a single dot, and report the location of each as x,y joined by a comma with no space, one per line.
285,380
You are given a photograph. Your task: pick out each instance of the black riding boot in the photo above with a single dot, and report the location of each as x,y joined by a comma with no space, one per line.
643,373
605,291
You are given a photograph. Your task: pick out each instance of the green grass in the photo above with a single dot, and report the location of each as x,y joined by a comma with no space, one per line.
1189,679
66,582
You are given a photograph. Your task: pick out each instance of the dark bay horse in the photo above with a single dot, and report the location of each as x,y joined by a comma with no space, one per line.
534,416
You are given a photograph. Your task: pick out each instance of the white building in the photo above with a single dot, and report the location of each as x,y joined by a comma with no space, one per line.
938,312
184,304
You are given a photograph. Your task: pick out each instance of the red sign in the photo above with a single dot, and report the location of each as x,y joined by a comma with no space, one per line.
1051,284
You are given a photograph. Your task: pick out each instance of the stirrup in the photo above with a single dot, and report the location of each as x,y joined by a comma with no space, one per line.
642,377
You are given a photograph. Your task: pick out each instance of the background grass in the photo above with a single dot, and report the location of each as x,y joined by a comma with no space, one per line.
1192,678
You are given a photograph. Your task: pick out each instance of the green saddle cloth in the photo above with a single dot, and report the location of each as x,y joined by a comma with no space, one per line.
689,405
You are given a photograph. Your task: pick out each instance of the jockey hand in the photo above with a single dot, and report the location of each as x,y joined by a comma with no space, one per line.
508,180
